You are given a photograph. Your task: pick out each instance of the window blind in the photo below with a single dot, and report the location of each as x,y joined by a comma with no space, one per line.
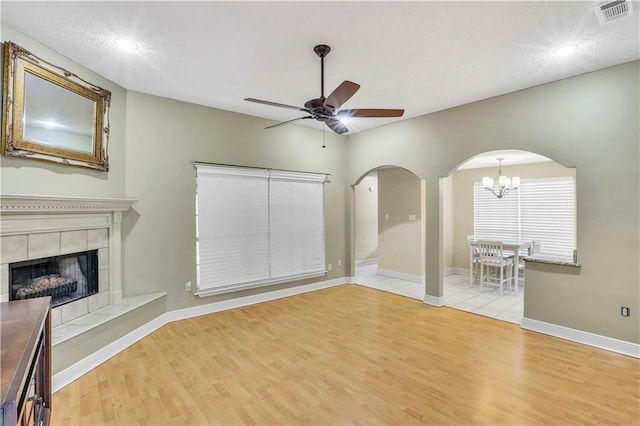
495,218
548,214
297,224
256,227
541,209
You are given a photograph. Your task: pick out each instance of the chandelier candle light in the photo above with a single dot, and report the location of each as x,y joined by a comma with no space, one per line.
504,183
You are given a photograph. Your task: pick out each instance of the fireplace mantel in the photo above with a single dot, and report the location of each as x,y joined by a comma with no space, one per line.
16,203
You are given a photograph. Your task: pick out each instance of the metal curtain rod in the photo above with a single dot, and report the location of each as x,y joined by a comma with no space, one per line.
251,167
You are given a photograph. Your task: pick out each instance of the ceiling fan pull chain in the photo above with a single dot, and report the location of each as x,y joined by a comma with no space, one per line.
323,145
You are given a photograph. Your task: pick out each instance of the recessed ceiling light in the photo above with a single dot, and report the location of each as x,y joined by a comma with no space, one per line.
565,49
125,44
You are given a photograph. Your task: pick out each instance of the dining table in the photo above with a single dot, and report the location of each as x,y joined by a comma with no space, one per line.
514,246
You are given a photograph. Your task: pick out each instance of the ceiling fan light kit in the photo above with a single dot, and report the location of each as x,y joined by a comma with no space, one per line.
327,109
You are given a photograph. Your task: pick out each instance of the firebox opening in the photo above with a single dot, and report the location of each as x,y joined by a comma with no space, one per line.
65,278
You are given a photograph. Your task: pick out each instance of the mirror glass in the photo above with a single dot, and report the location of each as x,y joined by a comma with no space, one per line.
51,114
56,116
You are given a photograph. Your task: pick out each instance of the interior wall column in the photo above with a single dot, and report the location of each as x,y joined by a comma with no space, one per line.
115,252
351,232
433,248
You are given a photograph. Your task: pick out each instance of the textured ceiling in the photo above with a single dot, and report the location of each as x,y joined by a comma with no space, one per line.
420,56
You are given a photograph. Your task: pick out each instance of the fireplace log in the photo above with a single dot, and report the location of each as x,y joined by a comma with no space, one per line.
52,285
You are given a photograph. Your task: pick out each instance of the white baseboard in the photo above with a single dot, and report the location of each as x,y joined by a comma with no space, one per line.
433,300
401,275
584,337
239,302
365,262
85,365
456,271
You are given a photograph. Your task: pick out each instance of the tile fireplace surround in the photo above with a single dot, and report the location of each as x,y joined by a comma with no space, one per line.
33,227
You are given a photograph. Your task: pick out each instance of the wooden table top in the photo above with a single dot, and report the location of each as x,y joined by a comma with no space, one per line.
22,321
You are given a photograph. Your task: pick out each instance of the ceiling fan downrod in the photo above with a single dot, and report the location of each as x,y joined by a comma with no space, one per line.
322,50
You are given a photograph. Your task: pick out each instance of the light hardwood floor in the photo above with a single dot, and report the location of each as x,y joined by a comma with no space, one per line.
352,355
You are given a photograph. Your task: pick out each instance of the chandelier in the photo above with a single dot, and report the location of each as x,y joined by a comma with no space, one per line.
501,185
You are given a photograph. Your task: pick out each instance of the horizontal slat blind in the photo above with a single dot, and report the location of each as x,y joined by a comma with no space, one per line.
297,224
548,214
257,226
540,209
495,218
233,227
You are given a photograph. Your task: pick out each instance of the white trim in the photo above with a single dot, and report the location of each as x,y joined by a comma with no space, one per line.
401,275
584,337
85,365
433,300
210,308
365,262
54,204
231,288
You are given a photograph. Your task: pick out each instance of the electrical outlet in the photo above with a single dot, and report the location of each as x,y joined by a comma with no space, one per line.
624,311
339,262
187,286
329,267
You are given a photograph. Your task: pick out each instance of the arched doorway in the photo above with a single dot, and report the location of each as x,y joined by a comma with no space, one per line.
389,231
541,211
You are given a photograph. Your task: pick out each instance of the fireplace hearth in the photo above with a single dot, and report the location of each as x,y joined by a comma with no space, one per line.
65,278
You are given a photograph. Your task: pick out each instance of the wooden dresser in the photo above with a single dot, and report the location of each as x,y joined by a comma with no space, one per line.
26,362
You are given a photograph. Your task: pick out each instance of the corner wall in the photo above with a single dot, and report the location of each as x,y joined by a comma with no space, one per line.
366,220
164,137
399,223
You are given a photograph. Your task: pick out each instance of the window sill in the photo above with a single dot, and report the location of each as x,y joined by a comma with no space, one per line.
552,260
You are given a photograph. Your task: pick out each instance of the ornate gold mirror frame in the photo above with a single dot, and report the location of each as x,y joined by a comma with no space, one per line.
51,114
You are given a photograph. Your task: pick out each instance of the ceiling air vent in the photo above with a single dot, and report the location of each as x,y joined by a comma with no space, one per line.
613,10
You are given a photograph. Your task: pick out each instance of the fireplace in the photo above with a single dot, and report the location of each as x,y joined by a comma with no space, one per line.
65,278
57,229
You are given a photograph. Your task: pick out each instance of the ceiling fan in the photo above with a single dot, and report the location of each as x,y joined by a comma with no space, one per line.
326,109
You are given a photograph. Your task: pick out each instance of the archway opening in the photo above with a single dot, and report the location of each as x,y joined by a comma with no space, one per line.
535,217
389,231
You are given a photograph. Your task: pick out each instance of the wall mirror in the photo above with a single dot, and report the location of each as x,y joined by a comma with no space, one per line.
52,114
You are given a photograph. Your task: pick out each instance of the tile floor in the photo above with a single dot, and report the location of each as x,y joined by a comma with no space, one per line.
457,294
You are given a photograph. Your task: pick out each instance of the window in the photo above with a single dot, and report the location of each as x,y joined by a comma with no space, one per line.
257,227
541,209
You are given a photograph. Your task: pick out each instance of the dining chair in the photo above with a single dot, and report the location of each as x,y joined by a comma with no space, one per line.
474,261
533,249
499,270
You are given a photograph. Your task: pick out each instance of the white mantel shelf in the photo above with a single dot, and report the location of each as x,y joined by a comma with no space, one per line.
17,203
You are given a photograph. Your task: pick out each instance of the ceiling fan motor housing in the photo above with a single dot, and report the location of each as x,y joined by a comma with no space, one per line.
318,109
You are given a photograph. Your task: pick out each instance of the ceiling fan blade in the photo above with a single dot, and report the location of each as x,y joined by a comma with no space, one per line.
259,101
286,122
342,94
336,125
368,112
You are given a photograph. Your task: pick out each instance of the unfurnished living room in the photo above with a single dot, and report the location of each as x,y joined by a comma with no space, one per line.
320,213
